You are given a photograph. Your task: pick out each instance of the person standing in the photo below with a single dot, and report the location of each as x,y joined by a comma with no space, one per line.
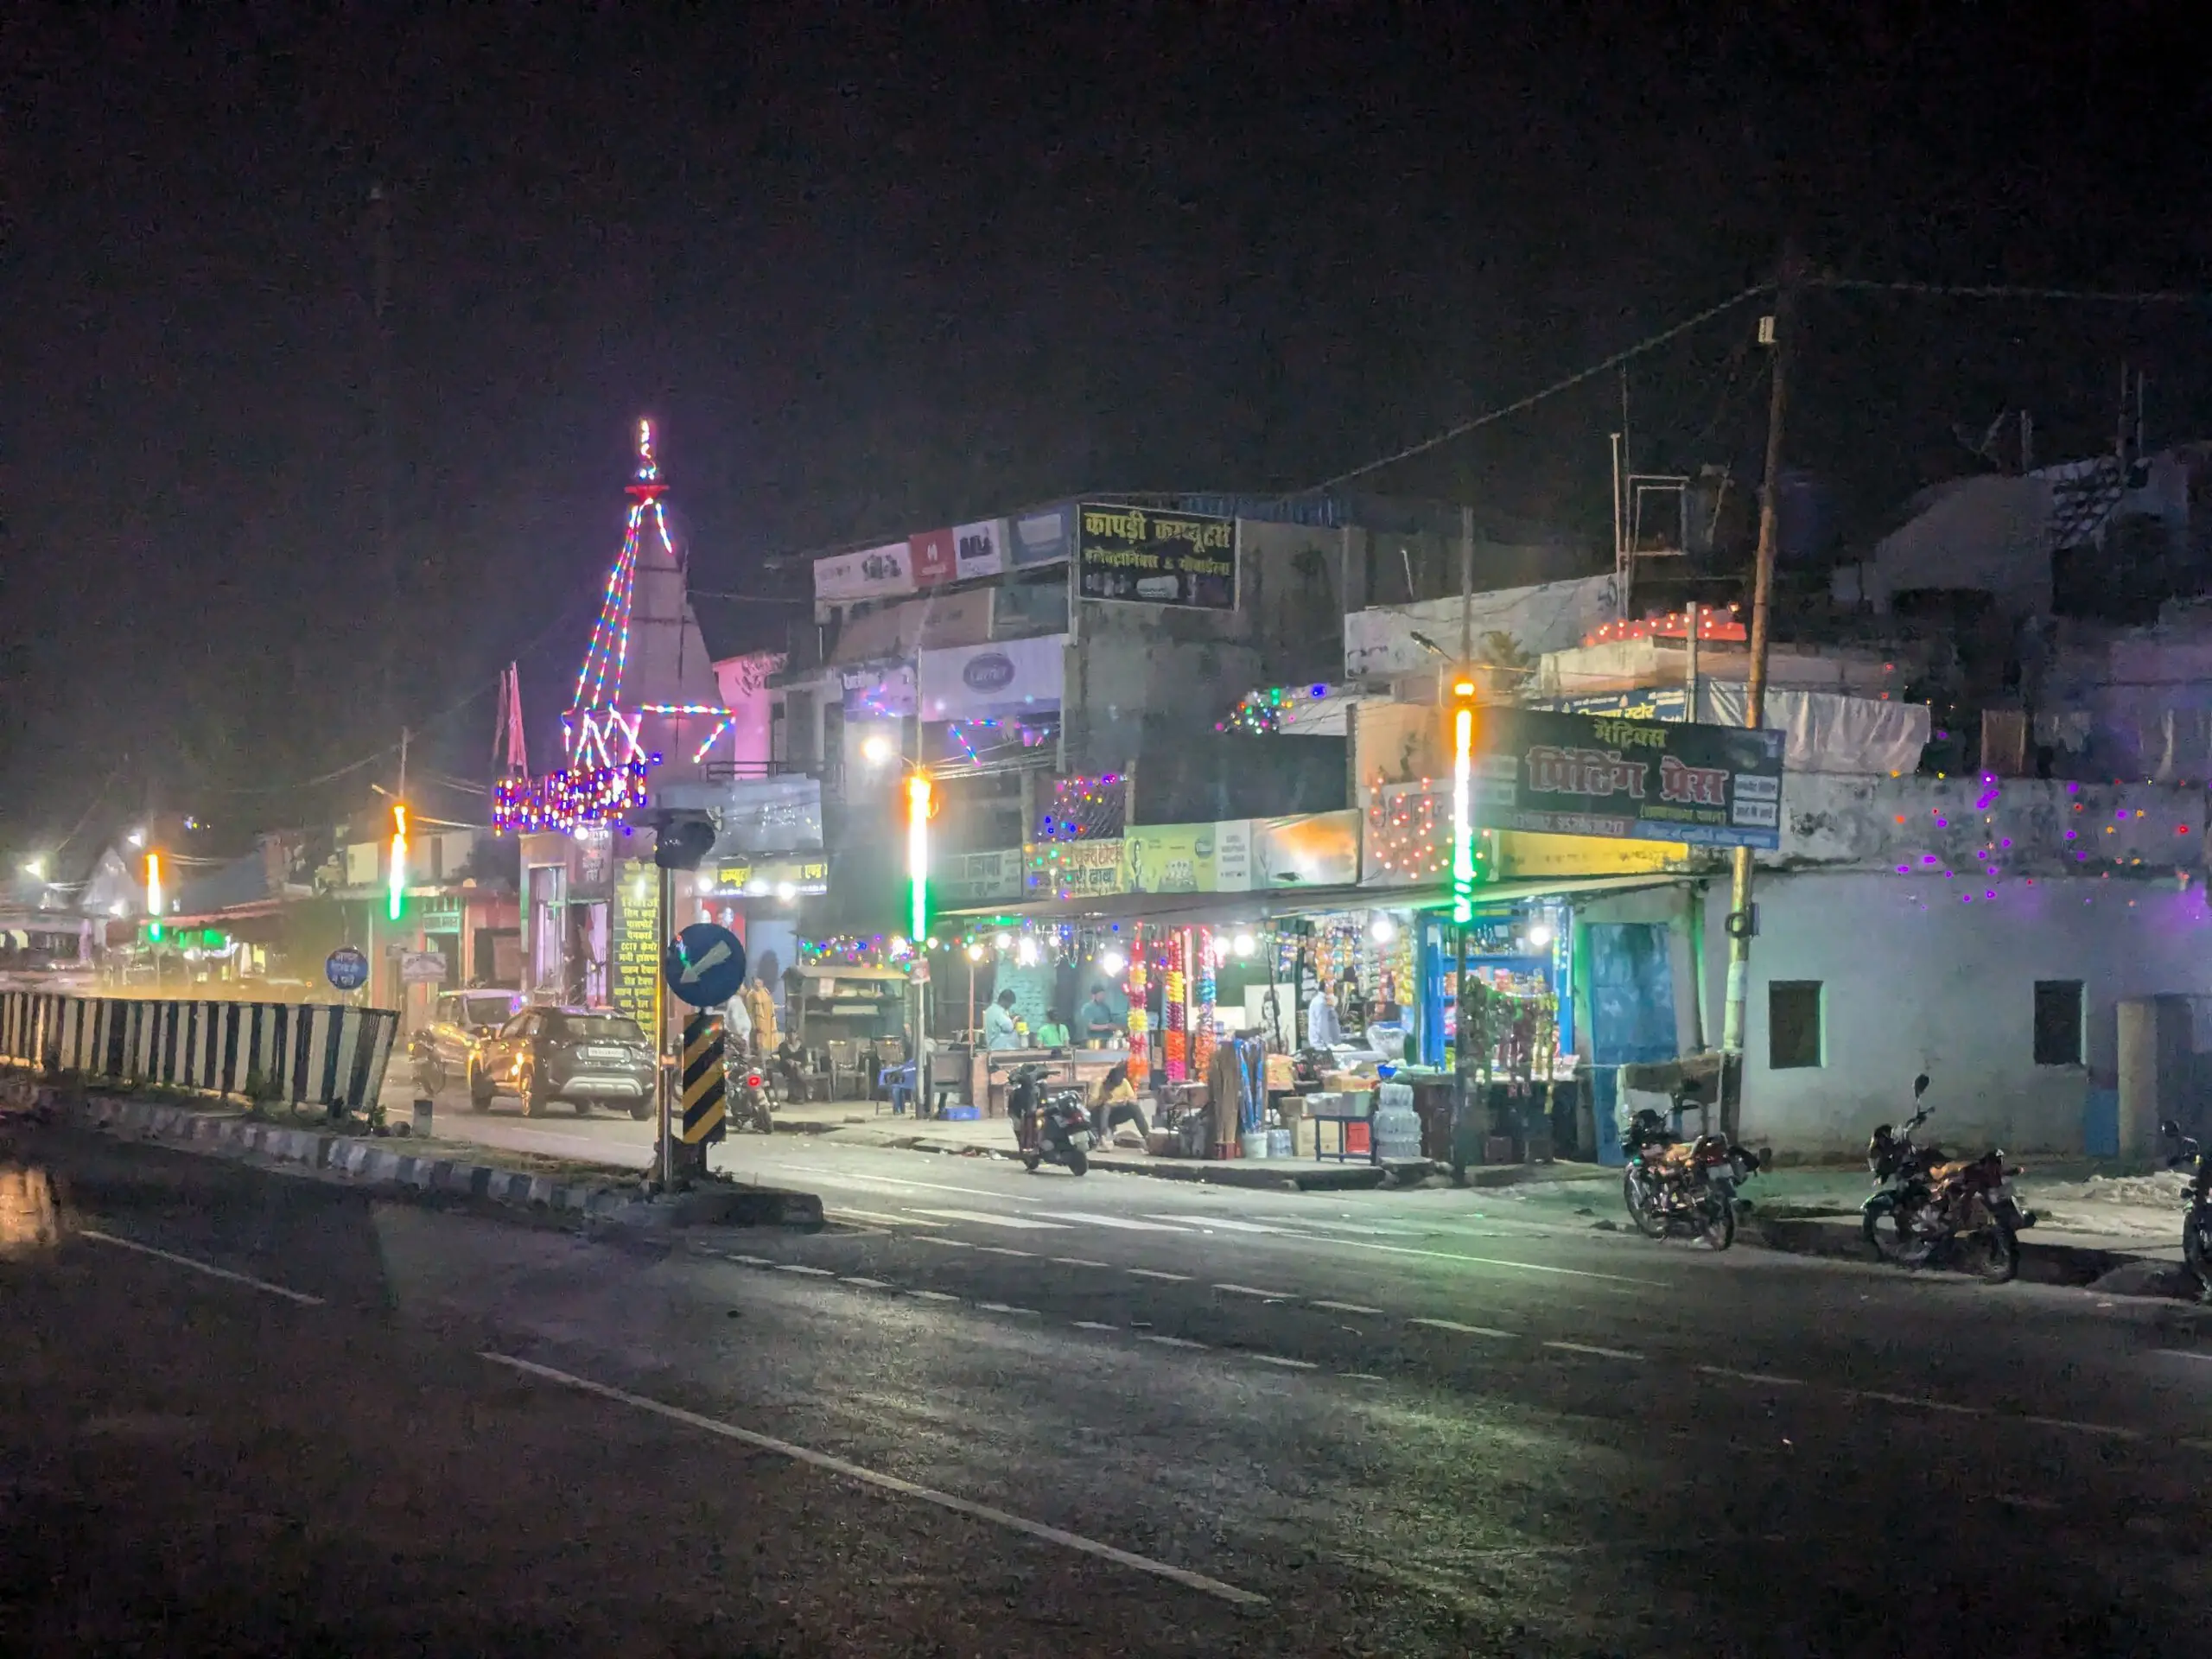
1000,1032
1323,1028
761,1005
1098,1022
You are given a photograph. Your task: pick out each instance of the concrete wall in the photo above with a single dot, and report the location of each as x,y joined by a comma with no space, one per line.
2021,826
1917,980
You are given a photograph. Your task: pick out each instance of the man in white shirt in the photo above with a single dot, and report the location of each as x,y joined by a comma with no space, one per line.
1323,1028
999,1031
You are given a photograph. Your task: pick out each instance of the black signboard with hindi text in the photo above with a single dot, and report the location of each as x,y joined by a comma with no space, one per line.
1564,774
1145,556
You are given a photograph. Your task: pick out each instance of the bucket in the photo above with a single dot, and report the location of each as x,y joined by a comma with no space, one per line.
1256,1144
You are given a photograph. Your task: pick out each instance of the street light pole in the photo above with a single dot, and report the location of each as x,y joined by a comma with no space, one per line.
1741,912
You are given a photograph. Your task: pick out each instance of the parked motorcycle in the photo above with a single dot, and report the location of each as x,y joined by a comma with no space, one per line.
749,1106
1929,1205
1052,1127
1681,1188
2196,1222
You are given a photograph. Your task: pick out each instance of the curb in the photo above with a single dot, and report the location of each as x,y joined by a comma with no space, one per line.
2042,1263
1263,1174
367,1163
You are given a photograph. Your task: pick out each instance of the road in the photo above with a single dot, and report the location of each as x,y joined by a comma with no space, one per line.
998,1413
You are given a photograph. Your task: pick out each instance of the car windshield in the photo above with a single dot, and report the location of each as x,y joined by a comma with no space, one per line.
594,1027
486,1010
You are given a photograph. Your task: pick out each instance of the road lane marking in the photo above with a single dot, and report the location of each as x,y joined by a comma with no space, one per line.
1004,1308
1464,1330
801,1267
1123,1223
864,1284
840,1178
948,1243
208,1267
1363,1377
1095,1324
1226,1224
894,1221
822,1460
1001,1249
2183,1353
2109,1430
1167,1342
933,1296
754,1260
1914,1400
1495,1261
1288,1364
1592,1348
1249,1290
1165,1278
1754,1376
1075,1261
1346,1307
985,1218
2022,1501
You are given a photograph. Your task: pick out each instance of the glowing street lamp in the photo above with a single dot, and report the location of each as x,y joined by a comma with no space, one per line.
397,896
1463,828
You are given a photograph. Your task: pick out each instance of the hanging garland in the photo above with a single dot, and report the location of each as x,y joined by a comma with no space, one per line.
1140,1065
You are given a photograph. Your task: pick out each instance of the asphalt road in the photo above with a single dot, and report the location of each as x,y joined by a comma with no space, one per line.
999,1413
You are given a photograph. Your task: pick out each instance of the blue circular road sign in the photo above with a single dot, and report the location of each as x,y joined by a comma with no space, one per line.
346,969
704,965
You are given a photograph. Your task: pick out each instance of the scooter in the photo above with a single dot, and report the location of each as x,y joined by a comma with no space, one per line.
1048,1128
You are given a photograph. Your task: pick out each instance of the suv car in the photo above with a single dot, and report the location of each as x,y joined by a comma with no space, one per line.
459,1022
583,1056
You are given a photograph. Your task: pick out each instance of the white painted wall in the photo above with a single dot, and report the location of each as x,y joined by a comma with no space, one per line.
1918,979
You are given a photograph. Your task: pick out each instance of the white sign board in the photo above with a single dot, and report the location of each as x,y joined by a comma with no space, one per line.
979,550
870,573
422,967
1008,676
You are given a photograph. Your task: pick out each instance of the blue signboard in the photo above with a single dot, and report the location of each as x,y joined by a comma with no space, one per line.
704,965
346,969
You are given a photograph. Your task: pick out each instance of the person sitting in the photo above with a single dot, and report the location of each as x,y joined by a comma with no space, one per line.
999,1029
1115,1102
1053,1034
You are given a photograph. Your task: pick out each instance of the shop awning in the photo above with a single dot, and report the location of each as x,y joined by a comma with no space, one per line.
1174,908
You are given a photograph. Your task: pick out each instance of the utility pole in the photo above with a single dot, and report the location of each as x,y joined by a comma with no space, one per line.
380,206
1741,912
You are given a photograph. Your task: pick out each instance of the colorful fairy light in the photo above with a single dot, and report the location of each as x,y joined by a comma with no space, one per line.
570,799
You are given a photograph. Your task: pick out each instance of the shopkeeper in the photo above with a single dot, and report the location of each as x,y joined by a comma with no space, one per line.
999,1029
1098,1021
1053,1034
1323,1028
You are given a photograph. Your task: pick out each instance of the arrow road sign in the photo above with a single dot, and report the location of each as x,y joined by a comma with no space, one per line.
704,965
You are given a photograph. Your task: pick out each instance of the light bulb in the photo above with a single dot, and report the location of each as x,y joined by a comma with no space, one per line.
1539,936
1382,929
974,953
876,749
1002,941
1026,953
1242,944
1112,963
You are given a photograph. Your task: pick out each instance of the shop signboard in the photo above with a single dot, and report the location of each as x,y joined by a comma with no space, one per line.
979,878
1008,676
867,572
879,691
1047,537
1187,857
1075,869
1143,556
1653,703
1566,774
979,550
1311,849
635,948
931,554
421,968
1232,856
785,876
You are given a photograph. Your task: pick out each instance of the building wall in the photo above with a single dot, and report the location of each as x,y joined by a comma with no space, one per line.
1915,979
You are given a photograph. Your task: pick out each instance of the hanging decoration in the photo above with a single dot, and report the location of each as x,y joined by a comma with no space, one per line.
1409,831
1139,1020
569,800
1174,1040
1262,713
1085,808
1202,1032
1713,623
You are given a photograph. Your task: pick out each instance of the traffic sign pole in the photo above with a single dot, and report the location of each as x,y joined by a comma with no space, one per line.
664,1072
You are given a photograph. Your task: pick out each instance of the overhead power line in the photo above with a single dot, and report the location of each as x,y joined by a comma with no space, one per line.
2010,291
1650,342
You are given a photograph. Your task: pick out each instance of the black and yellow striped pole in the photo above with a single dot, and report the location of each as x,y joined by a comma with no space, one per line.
703,1099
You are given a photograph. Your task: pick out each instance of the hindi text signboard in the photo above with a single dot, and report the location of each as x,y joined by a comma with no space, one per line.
1566,774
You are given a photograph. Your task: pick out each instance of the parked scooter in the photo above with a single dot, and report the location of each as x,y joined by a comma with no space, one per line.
2196,1222
1684,1188
1929,1205
1051,1128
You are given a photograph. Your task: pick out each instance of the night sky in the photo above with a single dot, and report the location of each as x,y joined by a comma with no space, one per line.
873,273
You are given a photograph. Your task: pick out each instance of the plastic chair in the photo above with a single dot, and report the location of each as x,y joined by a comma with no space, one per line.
897,1082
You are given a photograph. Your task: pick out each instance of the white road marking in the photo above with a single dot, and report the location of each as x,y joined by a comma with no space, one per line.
1754,1376
1249,1290
1124,1223
1495,1261
933,1296
1001,1249
754,1260
1228,1225
1004,1308
948,1243
985,1218
1183,1576
208,1267
1915,1401
1095,1324
1075,1261
894,1221
2109,1430
1167,1342
1346,1307
1464,1330
2021,1501
1363,1377
800,1267
1166,1278
1591,1348
864,1284
840,1178
2183,1353
1286,1363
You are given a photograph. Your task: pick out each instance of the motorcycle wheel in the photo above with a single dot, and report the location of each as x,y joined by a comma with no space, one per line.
479,1091
2197,1244
1720,1229
1892,1241
1994,1251
431,1076
1079,1161
1648,1222
1030,1161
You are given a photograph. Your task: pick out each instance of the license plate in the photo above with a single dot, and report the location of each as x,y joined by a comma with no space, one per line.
1079,1141
605,1054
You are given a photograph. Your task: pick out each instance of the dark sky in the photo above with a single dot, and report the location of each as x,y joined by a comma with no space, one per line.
876,268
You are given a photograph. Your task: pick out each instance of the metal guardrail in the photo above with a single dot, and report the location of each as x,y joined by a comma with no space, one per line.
311,1054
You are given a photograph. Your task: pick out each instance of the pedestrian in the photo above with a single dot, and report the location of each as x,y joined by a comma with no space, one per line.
1116,1103
1098,1022
760,1004
999,1030
737,1027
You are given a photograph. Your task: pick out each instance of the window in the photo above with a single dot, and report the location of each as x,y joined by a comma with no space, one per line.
1793,1024
590,1027
2058,1022
520,1025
